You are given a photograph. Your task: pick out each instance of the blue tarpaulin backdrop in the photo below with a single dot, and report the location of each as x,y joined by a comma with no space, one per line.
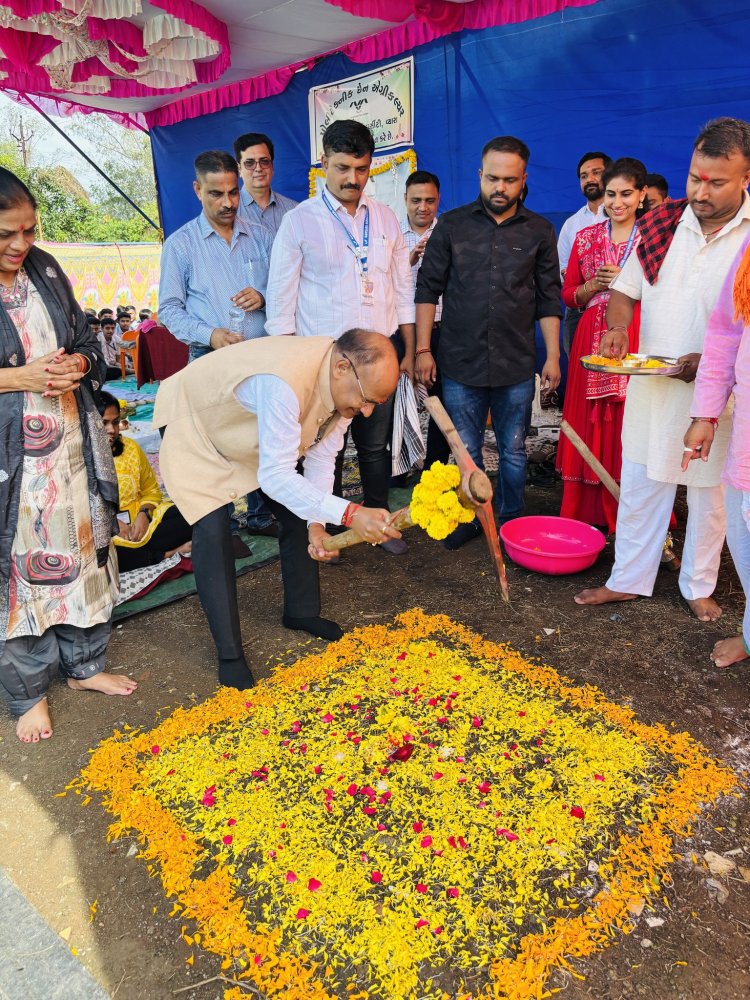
630,77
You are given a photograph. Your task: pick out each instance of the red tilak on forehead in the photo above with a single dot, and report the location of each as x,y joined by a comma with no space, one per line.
704,177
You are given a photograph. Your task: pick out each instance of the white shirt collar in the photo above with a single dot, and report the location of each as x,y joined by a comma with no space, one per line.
337,205
691,222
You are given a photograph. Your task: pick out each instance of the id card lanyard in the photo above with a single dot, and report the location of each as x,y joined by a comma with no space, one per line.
628,246
367,285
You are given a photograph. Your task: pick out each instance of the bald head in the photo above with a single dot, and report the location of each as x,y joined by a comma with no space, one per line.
364,371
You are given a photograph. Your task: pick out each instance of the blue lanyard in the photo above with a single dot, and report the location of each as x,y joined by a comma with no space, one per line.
628,245
358,250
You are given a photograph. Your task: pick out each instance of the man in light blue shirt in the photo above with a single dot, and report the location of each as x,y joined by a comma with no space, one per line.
258,203
212,265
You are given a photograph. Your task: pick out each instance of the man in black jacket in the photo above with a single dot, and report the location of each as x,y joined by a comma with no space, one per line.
495,264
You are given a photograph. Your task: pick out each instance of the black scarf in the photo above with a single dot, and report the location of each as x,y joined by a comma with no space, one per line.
73,333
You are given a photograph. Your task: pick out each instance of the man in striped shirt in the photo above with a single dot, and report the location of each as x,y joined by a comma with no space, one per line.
258,201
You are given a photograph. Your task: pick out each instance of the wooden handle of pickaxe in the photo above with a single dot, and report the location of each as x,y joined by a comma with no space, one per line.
479,487
400,520
590,459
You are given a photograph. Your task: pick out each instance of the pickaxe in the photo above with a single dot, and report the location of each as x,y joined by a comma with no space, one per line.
475,490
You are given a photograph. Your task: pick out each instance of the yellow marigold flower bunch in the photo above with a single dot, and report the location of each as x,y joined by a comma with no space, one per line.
435,505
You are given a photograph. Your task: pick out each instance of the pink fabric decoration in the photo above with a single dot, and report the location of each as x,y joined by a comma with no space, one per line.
384,45
63,109
230,96
24,74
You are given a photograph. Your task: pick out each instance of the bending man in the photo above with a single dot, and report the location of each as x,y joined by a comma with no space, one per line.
270,413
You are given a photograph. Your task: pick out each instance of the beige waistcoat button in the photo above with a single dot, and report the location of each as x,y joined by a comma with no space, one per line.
232,494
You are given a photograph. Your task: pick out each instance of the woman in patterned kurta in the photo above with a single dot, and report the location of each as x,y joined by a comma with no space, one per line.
594,402
58,491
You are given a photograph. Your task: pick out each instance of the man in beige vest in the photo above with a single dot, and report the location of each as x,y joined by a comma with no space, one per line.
270,413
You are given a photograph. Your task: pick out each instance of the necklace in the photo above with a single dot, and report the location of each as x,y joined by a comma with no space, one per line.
14,285
15,295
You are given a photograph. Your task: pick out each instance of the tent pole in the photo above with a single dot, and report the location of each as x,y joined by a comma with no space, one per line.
91,163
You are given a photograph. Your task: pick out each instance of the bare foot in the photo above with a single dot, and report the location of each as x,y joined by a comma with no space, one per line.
35,724
729,651
106,683
183,550
705,608
602,595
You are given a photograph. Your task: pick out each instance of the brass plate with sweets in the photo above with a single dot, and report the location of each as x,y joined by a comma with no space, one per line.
633,364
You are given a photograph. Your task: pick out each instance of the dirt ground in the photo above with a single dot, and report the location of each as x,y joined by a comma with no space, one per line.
649,654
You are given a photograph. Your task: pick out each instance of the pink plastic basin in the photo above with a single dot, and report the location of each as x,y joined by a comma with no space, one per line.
552,545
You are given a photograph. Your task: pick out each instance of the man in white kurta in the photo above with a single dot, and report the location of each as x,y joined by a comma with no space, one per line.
674,315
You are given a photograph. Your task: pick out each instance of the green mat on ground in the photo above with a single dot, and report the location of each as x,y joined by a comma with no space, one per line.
265,551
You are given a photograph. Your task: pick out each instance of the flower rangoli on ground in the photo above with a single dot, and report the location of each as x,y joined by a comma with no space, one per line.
414,813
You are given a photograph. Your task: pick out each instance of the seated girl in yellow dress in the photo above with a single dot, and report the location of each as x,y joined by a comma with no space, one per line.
150,527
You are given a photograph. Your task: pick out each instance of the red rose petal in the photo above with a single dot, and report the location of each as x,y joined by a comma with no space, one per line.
598,777
369,810
291,877
313,885
302,913
452,892
228,838
437,775
421,887
317,769
155,749
417,827
422,923
257,959
376,877
438,930
577,812
264,732
484,787
231,822
352,789
477,721
426,841
327,717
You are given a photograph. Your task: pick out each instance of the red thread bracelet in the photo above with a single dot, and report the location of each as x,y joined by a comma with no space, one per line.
349,513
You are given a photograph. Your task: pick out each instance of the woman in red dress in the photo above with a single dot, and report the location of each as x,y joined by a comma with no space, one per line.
594,402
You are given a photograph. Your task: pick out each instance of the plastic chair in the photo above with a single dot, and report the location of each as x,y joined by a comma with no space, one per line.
129,335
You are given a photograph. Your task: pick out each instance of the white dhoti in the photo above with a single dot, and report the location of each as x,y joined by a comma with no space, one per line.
642,524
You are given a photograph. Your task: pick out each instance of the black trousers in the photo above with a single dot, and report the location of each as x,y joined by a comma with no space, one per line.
437,449
570,325
173,531
216,581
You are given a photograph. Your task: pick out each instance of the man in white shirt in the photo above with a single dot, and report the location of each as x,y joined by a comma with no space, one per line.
274,415
686,249
591,166
422,199
339,261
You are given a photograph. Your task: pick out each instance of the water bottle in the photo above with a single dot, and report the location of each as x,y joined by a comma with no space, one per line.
236,319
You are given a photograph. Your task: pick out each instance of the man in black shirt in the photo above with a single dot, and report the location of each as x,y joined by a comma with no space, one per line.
495,264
